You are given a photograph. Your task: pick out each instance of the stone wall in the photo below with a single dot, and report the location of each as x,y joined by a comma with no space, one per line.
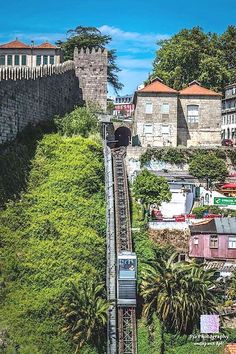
91,69
174,129
31,95
207,130
164,125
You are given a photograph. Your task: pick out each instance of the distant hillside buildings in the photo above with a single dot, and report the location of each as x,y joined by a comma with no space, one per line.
229,113
124,106
166,117
17,54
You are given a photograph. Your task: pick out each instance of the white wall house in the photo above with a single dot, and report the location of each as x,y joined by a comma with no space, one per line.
228,127
18,54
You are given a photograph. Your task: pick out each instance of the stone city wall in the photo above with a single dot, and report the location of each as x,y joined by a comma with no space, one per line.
91,69
29,95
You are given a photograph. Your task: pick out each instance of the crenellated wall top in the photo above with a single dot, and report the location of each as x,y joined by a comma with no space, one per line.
86,51
20,73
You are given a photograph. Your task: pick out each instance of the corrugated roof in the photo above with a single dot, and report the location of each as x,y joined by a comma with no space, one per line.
195,89
15,45
217,226
158,86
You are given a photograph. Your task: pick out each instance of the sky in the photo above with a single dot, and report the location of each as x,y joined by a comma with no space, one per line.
135,25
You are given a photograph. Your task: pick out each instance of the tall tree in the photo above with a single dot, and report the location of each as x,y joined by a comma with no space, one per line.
149,188
178,293
85,312
193,54
208,167
91,37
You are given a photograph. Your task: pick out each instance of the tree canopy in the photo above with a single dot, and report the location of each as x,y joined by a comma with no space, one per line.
91,37
178,293
193,54
150,188
208,166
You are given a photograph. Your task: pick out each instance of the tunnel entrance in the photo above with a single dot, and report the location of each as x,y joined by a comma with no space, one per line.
123,136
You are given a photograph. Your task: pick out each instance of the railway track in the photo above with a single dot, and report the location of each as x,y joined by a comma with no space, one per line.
126,314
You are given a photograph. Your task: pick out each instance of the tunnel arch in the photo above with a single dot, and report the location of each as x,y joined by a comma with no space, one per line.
123,136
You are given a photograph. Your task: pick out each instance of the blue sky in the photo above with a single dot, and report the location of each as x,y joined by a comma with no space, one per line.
135,25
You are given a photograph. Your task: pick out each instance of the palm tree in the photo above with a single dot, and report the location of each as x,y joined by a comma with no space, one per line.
177,292
85,312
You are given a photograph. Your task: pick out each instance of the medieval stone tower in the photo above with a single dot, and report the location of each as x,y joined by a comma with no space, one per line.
91,69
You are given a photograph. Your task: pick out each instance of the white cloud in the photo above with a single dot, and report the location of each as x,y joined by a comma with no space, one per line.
135,54
143,38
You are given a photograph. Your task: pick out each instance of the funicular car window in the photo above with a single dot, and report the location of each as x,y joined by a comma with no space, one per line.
127,268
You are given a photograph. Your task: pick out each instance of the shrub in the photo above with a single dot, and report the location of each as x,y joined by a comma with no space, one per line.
82,121
53,236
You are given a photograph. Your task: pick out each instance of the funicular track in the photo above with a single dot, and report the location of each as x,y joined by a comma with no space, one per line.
126,315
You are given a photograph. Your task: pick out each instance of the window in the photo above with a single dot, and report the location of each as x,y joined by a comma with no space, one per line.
17,59
2,59
195,240
38,60
148,128
165,108
148,108
193,113
213,241
9,60
232,242
45,60
23,59
165,129
52,59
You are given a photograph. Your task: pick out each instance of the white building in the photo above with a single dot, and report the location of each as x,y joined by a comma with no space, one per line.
228,127
17,53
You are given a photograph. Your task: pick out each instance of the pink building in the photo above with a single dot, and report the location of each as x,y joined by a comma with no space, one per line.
214,239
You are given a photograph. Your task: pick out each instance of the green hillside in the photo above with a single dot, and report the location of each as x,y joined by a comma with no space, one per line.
52,236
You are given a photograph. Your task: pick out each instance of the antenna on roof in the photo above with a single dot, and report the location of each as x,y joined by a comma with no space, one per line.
157,78
16,38
194,82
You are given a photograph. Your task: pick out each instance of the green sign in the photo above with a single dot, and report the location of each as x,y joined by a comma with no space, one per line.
224,201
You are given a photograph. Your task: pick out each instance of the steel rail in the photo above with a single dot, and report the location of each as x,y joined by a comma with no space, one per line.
127,332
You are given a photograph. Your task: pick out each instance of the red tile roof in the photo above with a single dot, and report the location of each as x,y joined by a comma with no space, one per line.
15,44
195,89
20,45
46,45
158,86
230,348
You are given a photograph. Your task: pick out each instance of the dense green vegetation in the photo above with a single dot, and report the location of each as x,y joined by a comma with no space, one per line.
193,54
15,161
208,167
182,155
53,237
203,163
82,121
159,275
149,189
212,209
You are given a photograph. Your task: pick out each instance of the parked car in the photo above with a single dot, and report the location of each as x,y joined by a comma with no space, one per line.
227,142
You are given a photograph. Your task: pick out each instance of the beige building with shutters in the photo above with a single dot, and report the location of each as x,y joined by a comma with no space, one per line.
18,54
166,117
